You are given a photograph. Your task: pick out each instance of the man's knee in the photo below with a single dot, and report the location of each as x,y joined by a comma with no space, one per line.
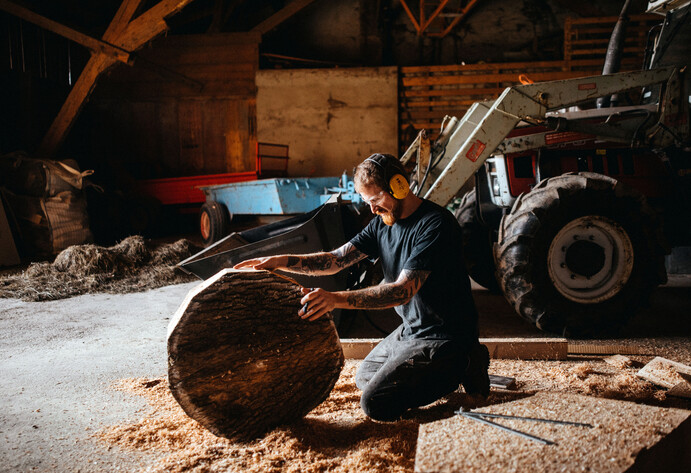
365,372
381,406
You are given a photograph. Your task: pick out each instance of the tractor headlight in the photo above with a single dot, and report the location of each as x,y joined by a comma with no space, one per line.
495,186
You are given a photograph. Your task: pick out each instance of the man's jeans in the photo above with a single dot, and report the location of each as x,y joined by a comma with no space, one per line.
401,374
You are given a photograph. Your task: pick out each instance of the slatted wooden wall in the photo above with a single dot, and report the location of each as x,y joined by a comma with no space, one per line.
164,125
429,93
586,40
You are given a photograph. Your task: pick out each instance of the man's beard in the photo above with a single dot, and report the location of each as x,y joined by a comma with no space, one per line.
390,217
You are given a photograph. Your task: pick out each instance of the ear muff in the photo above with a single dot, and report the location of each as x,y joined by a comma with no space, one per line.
398,184
398,187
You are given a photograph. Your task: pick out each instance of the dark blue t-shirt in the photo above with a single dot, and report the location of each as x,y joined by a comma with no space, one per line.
428,240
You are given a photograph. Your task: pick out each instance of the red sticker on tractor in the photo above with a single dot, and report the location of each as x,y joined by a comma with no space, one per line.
587,86
475,150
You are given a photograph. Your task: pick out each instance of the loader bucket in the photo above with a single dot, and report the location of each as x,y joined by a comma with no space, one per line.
323,229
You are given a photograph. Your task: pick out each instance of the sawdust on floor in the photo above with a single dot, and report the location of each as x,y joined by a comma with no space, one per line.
337,436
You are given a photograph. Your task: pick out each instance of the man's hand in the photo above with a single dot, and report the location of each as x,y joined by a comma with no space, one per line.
268,263
316,303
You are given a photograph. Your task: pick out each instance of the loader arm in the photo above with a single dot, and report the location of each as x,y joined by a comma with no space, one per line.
485,125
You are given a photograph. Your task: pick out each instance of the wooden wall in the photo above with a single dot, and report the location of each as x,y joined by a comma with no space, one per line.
586,40
187,107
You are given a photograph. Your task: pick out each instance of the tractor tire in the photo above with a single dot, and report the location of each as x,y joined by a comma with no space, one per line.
214,220
477,244
578,254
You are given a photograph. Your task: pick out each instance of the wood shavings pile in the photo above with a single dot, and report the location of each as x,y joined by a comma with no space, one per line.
336,436
594,378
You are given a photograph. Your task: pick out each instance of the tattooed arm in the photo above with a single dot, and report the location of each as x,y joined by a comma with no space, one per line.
323,263
320,302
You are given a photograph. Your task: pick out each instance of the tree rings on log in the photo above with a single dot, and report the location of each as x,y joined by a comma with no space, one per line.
241,361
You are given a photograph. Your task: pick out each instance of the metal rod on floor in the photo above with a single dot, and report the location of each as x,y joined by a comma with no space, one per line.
536,419
473,416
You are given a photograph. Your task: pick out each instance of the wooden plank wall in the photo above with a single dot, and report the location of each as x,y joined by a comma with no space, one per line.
173,126
586,40
428,93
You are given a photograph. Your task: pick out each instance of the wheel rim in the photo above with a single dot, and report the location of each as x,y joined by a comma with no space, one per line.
205,225
590,259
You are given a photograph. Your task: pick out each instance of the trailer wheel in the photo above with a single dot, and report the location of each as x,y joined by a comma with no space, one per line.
477,244
214,219
578,254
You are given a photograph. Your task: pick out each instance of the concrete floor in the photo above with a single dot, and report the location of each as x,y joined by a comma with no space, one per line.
59,359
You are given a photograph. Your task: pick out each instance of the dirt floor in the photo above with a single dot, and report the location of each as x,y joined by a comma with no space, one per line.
84,388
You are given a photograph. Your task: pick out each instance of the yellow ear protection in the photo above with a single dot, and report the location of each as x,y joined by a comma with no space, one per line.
398,184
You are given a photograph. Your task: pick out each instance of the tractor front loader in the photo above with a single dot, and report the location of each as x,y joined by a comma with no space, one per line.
577,199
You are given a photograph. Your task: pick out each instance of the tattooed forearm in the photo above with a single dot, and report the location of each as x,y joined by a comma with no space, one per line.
379,297
347,255
315,263
417,277
293,261
388,295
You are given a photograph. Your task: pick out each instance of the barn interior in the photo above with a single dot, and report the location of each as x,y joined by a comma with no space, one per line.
147,146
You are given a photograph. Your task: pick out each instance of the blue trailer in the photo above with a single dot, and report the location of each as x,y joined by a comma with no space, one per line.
277,196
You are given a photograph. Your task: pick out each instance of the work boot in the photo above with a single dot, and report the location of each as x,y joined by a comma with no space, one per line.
476,379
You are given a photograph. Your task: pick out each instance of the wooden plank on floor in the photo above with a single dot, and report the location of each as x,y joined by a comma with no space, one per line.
664,372
506,348
608,349
358,348
527,348
624,436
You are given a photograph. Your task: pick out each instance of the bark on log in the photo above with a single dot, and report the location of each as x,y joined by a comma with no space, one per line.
241,361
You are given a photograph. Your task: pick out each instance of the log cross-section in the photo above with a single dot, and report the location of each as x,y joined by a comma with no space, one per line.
240,359
122,33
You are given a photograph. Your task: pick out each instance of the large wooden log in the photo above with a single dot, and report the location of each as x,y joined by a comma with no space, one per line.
241,361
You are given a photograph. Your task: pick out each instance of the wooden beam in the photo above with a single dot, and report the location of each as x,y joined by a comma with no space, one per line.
95,45
426,22
411,16
122,17
463,14
280,16
507,348
123,33
149,24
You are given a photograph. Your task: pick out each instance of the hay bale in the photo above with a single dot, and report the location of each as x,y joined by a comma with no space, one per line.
241,361
84,260
132,265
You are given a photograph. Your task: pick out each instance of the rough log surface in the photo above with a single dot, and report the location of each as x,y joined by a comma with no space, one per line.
241,361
